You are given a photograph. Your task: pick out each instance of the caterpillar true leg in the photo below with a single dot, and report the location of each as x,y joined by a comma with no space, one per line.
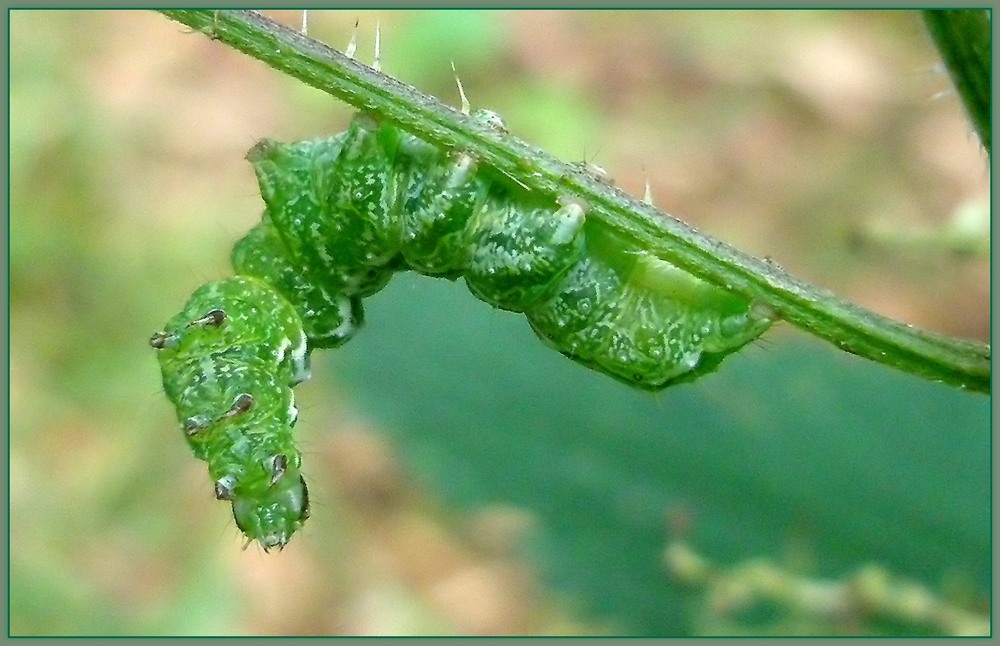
215,317
243,403
224,488
196,424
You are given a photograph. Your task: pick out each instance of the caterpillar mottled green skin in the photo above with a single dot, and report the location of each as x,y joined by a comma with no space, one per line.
229,361
342,215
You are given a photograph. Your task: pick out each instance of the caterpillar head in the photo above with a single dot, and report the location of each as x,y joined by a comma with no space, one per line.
269,514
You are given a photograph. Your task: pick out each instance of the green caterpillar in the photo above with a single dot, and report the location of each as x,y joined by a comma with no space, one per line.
342,215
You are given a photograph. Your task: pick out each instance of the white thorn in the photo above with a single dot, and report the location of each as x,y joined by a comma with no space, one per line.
648,195
378,48
305,22
461,91
353,45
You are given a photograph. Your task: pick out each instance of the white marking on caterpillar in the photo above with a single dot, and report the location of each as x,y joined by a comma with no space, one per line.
208,370
300,361
279,353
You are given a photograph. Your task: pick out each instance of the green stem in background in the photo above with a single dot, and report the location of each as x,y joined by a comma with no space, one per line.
819,312
963,38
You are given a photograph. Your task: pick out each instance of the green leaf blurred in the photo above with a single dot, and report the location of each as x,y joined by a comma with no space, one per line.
791,442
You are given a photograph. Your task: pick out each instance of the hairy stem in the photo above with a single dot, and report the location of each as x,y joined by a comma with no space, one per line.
963,38
819,312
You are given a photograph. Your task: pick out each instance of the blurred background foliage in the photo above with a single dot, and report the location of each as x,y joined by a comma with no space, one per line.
465,478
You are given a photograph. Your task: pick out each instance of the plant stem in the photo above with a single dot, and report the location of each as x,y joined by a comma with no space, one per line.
849,327
963,38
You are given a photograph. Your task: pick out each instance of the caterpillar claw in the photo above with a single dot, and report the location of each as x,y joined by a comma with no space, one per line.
486,117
